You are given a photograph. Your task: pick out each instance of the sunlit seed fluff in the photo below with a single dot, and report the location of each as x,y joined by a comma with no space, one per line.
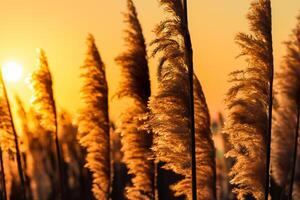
7,129
7,141
247,104
134,86
170,113
93,120
135,81
136,144
169,120
43,99
284,126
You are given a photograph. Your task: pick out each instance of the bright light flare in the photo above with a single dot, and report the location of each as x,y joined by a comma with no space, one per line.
12,71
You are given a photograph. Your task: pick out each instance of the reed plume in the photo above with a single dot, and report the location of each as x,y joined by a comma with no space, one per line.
43,98
286,117
93,121
7,135
170,117
249,104
135,87
9,141
44,104
135,81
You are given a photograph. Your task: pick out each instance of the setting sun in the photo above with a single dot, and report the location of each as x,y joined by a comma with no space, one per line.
12,71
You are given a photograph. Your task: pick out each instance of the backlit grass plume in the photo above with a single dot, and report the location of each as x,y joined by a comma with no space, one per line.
93,120
9,141
170,117
135,81
249,104
43,99
136,146
284,151
44,104
135,86
169,120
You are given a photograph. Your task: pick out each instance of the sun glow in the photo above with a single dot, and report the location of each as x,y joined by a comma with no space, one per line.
12,71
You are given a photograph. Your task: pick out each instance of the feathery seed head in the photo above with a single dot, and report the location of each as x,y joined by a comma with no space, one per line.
248,102
135,87
93,121
43,99
7,142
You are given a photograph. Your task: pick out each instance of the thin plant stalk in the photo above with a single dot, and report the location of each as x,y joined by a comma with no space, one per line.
270,112
58,153
59,157
3,176
267,185
189,63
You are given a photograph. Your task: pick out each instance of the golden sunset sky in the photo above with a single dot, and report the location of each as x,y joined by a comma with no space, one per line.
60,27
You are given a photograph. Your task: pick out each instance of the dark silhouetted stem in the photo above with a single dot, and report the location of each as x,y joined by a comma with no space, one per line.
270,109
59,157
155,190
109,156
189,63
294,161
3,175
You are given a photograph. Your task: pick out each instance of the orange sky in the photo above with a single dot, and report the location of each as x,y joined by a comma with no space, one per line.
61,26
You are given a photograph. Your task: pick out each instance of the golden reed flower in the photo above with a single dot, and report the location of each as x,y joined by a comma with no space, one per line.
249,102
170,113
135,87
93,120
